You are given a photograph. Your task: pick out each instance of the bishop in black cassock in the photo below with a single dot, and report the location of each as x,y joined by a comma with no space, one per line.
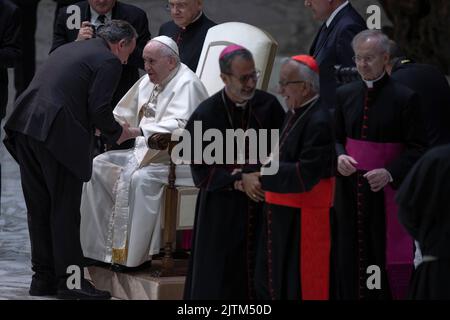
226,219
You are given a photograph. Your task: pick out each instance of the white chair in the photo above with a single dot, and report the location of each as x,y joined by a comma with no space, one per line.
258,42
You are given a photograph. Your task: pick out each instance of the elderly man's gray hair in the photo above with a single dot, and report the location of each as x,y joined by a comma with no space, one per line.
116,30
382,39
306,74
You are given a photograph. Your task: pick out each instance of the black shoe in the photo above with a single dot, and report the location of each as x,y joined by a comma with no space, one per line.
87,292
181,255
88,262
123,269
42,287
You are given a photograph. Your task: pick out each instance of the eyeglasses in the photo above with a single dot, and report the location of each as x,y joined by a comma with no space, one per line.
283,84
368,59
244,79
173,6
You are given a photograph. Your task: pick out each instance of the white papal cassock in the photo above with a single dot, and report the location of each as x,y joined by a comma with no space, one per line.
121,204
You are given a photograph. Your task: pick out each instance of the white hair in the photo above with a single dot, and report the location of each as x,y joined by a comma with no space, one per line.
382,39
306,74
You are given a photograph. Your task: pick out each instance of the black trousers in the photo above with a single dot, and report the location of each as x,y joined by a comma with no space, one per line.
53,196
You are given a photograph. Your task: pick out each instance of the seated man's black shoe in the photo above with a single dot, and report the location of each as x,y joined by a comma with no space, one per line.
181,254
123,269
88,262
86,292
42,287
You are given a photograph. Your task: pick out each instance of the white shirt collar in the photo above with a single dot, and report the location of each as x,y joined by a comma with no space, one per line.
95,15
369,83
335,12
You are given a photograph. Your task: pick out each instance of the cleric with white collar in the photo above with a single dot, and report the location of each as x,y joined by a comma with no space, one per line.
380,135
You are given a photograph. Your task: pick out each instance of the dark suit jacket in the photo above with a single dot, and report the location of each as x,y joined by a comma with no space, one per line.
121,11
434,92
68,98
190,41
60,4
10,51
336,49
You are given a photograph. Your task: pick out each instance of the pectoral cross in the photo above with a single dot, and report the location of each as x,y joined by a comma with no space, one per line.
149,107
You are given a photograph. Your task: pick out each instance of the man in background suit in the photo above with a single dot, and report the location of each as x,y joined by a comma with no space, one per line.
50,134
332,45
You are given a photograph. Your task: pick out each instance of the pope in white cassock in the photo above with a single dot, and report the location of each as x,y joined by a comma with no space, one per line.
121,204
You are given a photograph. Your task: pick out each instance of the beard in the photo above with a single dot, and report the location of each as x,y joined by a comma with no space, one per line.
247,95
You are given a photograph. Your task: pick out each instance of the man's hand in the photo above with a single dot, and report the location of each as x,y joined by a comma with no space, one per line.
378,179
252,186
346,165
159,141
128,133
86,31
238,185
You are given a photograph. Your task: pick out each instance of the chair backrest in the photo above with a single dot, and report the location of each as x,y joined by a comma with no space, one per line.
258,42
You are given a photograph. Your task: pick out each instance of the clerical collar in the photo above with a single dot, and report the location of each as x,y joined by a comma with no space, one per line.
95,15
193,21
236,104
370,83
171,75
307,102
241,105
335,12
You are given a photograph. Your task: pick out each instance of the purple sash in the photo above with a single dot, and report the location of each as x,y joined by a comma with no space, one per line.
399,245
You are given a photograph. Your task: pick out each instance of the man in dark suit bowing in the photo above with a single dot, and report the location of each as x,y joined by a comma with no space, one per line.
50,134
93,14
332,45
